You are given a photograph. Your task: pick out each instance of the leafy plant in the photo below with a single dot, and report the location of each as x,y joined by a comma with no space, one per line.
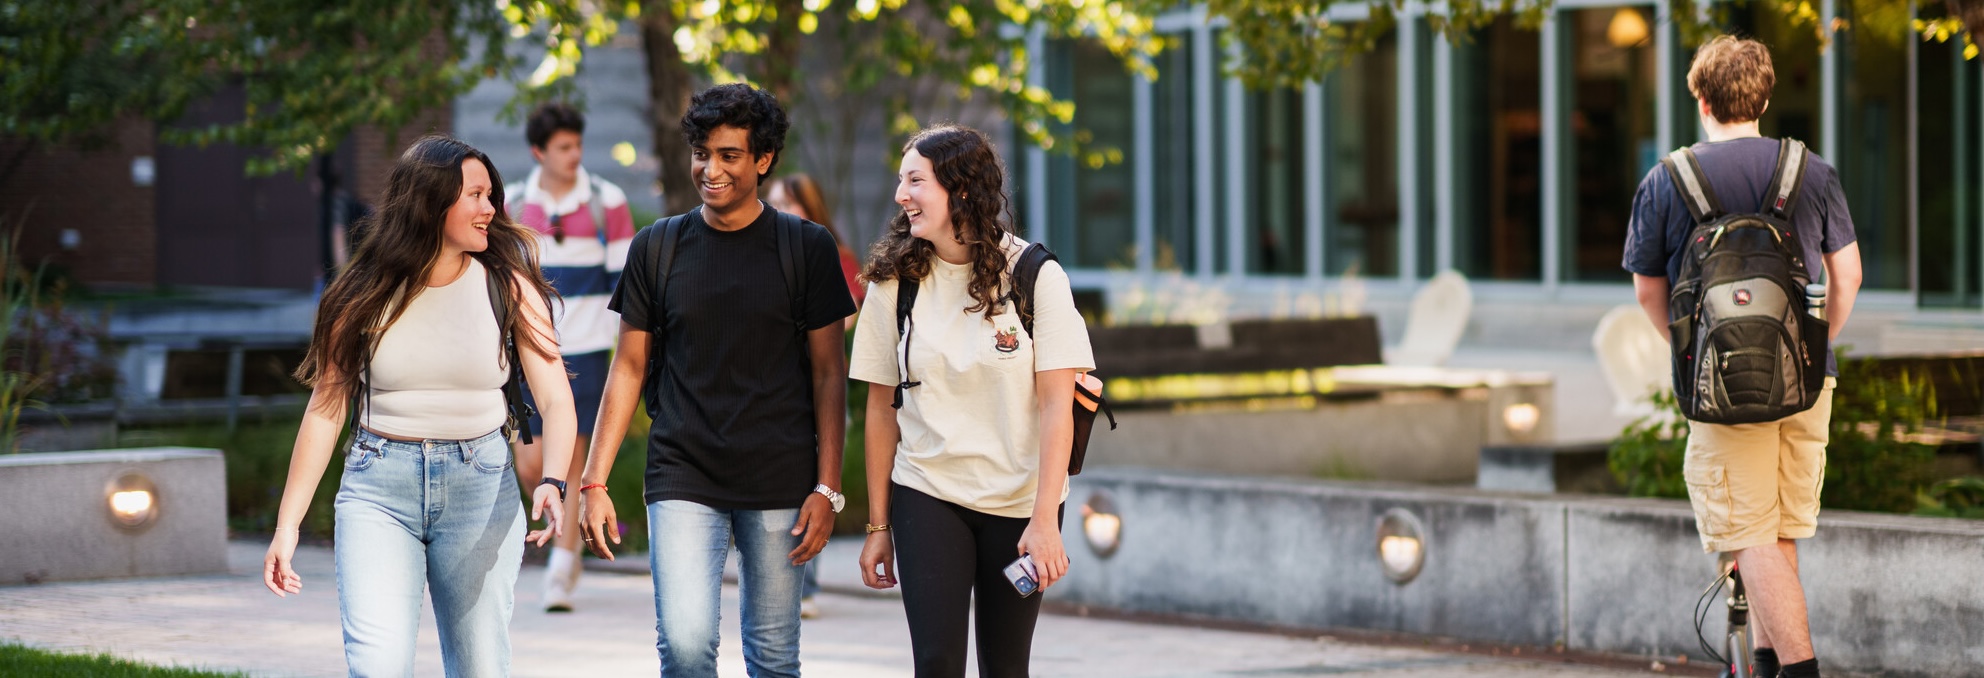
1953,498
1646,458
19,290
1872,460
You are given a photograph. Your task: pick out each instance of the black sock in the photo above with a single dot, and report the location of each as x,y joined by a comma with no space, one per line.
1765,662
1805,669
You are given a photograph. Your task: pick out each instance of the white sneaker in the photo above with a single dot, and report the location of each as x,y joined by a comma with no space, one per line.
808,608
561,576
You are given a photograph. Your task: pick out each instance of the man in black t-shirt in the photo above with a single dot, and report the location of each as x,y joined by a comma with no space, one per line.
1754,487
748,410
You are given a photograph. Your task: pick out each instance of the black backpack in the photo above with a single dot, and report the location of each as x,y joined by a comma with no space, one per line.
1746,349
665,238
1026,270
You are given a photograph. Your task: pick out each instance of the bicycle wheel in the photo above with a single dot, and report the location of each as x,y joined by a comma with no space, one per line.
1738,652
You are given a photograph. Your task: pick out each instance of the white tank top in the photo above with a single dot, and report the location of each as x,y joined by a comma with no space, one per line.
436,373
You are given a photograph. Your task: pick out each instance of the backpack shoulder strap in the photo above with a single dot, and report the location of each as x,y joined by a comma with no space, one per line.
1782,197
662,244
905,301
520,412
1025,272
792,262
1686,173
598,208
664,238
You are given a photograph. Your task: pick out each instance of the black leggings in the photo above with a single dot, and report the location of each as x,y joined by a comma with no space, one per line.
943,550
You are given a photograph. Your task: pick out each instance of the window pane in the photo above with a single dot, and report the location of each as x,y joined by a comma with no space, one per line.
1173,162
1951,219
1873,157
1220,163
1498,212
1089,203
1611,134
1275,180
1360,225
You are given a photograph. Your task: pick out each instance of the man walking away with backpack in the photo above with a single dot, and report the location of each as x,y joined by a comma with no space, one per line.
583,226
733,314
1754,486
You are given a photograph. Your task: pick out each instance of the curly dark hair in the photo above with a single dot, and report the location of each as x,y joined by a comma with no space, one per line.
968,167
548,119
744,107
402,242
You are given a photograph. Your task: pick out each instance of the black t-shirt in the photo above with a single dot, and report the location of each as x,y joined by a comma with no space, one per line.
732,397
1740,171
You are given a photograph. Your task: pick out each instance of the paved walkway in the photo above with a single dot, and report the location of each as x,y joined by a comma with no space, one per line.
231,622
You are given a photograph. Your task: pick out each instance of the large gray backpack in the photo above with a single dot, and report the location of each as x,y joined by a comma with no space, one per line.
1745,348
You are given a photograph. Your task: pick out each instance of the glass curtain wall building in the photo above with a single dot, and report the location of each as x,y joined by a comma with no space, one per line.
1511,156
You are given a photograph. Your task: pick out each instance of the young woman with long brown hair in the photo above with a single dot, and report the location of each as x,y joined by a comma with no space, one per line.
971,471
408,333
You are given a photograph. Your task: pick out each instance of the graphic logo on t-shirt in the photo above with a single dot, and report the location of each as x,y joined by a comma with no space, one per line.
1007,340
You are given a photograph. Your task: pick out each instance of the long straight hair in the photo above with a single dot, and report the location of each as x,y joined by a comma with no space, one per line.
400,245
966,166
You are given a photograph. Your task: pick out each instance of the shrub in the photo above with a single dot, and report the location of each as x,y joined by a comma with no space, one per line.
1872,461
1646,457
1953,498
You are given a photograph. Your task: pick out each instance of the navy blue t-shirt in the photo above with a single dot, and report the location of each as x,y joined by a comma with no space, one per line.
1739,170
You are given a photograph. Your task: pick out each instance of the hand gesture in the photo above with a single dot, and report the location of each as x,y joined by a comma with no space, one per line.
598,522
1042,539
816,522
546,503
277,574
879,553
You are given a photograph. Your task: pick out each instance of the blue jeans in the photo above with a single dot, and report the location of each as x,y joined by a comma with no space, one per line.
687,544
441,515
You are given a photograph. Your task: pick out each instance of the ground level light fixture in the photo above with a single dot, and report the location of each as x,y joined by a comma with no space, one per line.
1101,524
1401,545
132,500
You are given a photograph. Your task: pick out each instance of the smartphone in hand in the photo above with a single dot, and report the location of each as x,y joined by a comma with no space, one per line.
1024,576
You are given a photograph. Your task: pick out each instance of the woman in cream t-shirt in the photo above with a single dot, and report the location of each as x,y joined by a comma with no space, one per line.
968,439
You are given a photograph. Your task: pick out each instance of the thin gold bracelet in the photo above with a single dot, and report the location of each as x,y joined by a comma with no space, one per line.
873,528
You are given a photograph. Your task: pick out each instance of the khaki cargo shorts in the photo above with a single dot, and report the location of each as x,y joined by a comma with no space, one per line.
1753,484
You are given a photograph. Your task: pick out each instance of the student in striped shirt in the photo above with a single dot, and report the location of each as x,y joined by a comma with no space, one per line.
583,228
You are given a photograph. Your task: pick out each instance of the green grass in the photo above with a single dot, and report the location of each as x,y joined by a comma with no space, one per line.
16,660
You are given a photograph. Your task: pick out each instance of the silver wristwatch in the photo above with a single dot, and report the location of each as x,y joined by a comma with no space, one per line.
835,499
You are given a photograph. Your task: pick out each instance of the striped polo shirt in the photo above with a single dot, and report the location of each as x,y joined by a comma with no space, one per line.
582,268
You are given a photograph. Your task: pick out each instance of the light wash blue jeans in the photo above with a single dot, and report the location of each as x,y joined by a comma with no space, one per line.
441,515
687,546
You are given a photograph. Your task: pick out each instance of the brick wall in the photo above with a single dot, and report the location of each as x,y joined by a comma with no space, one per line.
374,150
57,188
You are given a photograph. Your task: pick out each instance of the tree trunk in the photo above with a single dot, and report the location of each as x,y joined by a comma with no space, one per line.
1972,14
669,87
781,56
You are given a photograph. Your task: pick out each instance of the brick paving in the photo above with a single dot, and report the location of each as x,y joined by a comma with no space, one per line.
231,622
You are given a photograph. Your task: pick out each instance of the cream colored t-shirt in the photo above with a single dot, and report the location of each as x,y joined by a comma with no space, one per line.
971,431
438,371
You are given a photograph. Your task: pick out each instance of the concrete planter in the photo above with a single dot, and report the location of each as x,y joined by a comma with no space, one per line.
1889,595
60,523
